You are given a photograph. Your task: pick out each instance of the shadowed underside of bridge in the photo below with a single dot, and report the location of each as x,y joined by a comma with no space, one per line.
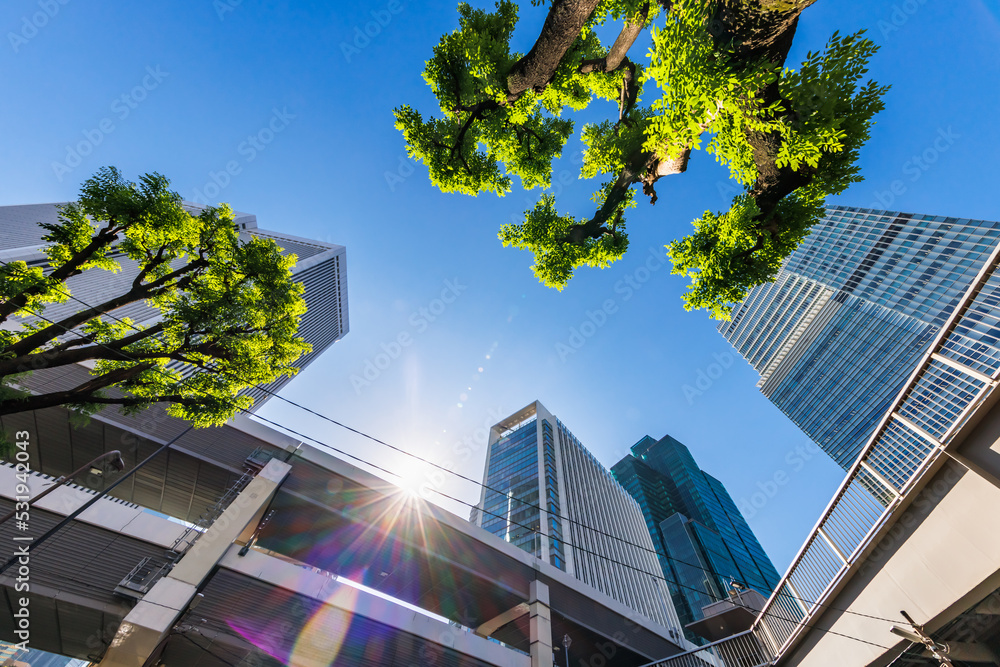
72,577
243,619
328,515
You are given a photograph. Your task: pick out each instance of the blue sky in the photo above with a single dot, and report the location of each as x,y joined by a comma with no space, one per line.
179,87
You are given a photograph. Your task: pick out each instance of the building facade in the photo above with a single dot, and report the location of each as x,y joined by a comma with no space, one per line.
852,311
703,541
321,268
545,493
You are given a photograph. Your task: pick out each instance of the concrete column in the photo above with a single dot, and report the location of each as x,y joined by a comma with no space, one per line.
150,621
540,624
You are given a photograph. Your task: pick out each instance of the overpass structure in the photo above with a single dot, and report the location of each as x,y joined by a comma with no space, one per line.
308,560
913,529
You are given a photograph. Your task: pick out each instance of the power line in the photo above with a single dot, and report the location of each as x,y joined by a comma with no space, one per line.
532,530
483,485
209,651
463,477
566,542
478,483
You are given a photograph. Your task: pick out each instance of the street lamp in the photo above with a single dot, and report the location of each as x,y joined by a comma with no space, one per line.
116,463
566,642
84,507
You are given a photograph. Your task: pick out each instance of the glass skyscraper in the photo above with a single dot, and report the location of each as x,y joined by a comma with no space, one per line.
852,311
703,540
545,493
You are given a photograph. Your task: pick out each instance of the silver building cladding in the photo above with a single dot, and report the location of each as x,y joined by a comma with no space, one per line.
321,268
545,493
852,310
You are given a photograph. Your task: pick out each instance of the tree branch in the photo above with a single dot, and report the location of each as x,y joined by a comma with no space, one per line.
153,263
617,55
62,355
70,268
183,275
561,28
84,393
71,397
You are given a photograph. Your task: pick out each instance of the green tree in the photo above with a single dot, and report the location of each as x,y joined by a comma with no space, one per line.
715,79
228,310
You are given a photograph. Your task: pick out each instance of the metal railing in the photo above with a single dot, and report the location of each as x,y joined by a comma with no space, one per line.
208,517
958,372
143,576
742,650
956,375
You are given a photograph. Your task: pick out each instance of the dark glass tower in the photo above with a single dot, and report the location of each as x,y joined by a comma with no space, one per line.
704,541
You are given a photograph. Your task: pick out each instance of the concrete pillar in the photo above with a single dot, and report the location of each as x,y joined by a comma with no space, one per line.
540,624
150,621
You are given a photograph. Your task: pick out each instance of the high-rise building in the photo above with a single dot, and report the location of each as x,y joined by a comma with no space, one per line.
321,268
852,310
703,541
546,494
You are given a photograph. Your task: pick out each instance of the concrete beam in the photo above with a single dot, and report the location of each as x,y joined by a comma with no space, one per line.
494,624
540,624
342,600
150,621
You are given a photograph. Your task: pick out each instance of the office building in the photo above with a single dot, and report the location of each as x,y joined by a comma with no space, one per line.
240,545
704,542
321,268
850,314
546,494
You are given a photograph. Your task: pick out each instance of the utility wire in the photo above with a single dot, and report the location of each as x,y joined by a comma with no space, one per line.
471,505
483,485
214,655
566,542
475,481
457,474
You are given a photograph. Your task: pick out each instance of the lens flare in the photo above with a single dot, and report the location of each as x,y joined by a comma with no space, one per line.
322,637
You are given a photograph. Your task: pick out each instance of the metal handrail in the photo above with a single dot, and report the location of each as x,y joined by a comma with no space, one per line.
894,461
740,650
823,567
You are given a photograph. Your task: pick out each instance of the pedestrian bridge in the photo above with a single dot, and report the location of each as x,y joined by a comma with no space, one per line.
913,528
315,562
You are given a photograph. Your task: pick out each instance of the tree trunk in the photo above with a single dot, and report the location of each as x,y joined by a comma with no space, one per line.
562,26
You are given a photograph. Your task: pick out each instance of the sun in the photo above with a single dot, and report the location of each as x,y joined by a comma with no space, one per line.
411,481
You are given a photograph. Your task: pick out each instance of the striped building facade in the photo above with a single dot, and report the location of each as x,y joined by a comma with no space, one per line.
321,268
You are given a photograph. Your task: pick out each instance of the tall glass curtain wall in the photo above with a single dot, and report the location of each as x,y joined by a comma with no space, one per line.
510,510
852,311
